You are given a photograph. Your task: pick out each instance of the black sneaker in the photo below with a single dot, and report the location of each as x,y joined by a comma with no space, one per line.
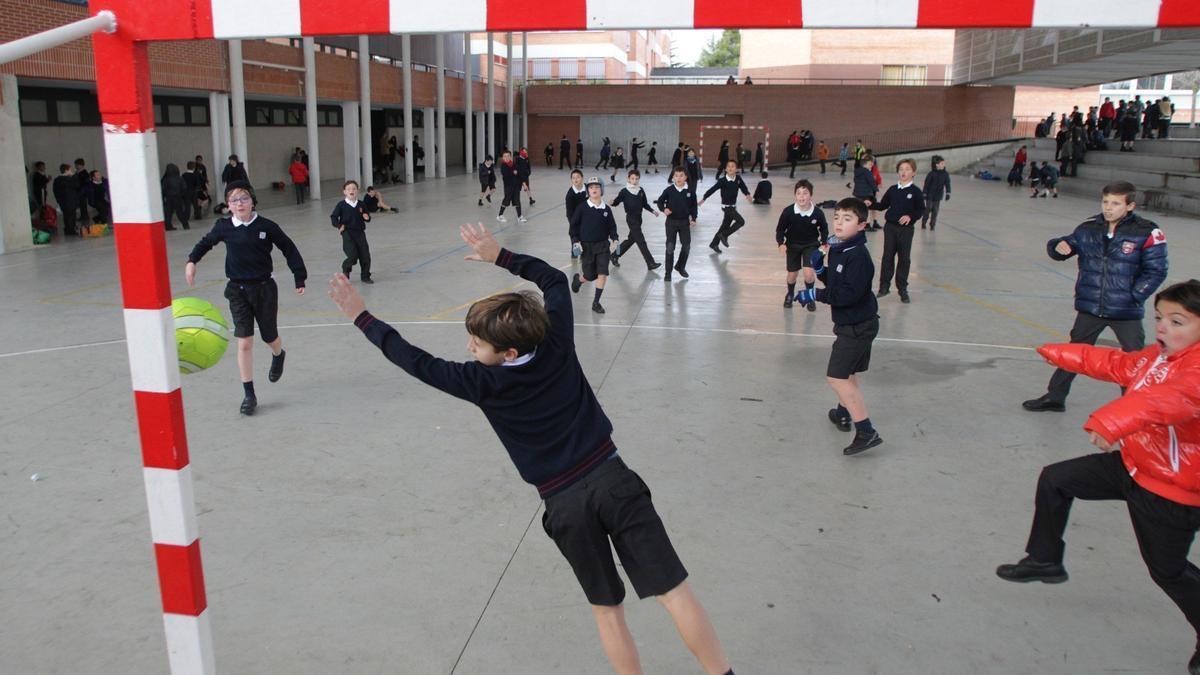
862,442
575,283
682,272
489,198
812,307
481,202
667,276
904,297
597,308
653,266
715,248
787,302
1031,570
615,260
882,292
248,405
532,202
276,371
1044,403
725,240
368,280
842,423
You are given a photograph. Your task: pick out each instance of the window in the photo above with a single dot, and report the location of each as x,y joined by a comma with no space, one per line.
199,114
47,106
176,114
904,75
594,69
540,69
69,112
34,111
568,69
329,116
1154,82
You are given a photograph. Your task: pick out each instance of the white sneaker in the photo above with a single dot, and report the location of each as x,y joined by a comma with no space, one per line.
501,219
522,219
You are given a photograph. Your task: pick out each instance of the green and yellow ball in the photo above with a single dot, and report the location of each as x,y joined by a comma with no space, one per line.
201,334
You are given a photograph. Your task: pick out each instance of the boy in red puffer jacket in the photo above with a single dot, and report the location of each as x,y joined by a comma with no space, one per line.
1151,459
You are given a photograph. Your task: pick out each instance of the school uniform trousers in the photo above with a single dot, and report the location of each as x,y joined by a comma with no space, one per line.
636,238
1131,334
731,222
678,228
897,243
354,245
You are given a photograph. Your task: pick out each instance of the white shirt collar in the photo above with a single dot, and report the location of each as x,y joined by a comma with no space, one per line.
579,190
520,360
796,210
634,189
353,204
726,177
238,223
903,186
601,206
681,189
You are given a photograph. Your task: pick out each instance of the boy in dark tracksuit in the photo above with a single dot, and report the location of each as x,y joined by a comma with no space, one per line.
524,171
730,183
652,157
801,231
847,277
633,197
528,382
592,226
678,203
903,205
350,217
67,196
865,186
512,186
252,293
487,179
937,184
1122,260
576,195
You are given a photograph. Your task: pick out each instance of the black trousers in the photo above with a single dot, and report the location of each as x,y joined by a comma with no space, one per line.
176,206
897,243
354,245
841,163
932,206
823,165
758,165
69,211
602,163
678,227
636,238
730,223
1164,528
1130,333
564,157
511,198
299,188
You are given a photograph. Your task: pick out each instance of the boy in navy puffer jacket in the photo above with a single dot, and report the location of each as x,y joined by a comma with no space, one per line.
1122,261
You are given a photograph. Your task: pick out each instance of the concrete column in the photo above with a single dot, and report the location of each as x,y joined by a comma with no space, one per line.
15,228
490,143
441,105
410,173
508,94
367,136
468,106
351,144
429,141
525,90
237,91
217,111
310,119
226,139
480,136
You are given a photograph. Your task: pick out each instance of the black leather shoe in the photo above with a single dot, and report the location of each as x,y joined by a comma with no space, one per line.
862,442
575,283
715,248
597,308
904,297
248,405
1031,570
812,307
1044,404
682,272
667,276
725,240
882,292
653,266
1194,663
368,280
787,301
842,423
276,371
615,259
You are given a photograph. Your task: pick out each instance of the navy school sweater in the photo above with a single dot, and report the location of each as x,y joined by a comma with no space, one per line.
510,178
248,249
864,183
729,189
682,202
848,275
798,230
593,223
574,199
937,185
762,192
353,217
901,201
634,204
487,174
543,411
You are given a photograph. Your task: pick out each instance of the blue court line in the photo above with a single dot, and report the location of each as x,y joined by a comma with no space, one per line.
989,242
1050,269
461,247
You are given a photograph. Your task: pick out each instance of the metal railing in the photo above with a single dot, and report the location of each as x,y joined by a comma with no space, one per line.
921,138
722,80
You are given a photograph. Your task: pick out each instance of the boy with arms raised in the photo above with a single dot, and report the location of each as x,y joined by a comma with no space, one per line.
801,231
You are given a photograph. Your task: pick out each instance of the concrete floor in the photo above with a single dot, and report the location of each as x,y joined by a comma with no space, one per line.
364,523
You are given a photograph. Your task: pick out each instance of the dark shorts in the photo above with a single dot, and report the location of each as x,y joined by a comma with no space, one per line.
251,302
799,256
1049,183
612,503
594,259
852,349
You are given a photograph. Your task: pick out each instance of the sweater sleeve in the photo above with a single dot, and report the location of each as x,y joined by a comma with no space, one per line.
742,186
612,225
781,227
823,225
576,223
715,186
294,261
885,202
646,202
852,284
619,199
461,380
335,217
206,243
553,285
918,205
662,200
692,209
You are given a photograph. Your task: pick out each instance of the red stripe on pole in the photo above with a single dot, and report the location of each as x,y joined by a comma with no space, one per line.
528,15
160,425
160,19
336,17
180,578
142,261
125,102
1179,14
748,13
974,13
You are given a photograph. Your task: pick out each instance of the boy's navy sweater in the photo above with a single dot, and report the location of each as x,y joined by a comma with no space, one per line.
901,201
487,174
937,184
762,192
544,410
682,202
798,230
729,189
574,199
848,275
523,168
693,168
351,216
864,182
248,249
508,174
593,223
634,204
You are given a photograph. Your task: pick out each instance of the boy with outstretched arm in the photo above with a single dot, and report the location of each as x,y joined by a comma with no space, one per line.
730,183
592,226
252,293
511,177
576,195
487,179
801,231
633,197
350,217
678,204
529,383
847,276
903,205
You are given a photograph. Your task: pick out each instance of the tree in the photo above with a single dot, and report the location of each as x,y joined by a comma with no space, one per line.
725,52
672,58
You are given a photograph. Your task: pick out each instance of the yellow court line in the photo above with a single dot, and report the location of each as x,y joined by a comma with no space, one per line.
441,314
960,293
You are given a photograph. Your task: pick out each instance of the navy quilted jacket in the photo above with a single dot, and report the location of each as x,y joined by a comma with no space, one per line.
1118,274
